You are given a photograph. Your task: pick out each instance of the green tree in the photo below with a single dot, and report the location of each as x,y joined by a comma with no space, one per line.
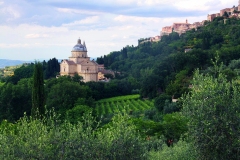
108,76
213,108
225,14
124,53
25,71
38,96
52,67
206,40
159,101
75,114
77,78
64,94
15,100
174,126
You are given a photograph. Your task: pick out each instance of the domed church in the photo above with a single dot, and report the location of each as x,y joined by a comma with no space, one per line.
80,63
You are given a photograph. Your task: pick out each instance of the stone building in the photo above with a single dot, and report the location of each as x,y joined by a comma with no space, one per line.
80,63
102,72
210,17
180,28
155,39
228,10
232,12
166,30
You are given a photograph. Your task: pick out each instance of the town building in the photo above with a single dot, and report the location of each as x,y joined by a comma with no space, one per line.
232,12
180,28
155,39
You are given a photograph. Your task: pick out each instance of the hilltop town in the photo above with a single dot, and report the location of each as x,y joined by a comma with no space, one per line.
182,27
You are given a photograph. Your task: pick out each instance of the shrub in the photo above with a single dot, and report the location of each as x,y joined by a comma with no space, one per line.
181,151
212,108
50,139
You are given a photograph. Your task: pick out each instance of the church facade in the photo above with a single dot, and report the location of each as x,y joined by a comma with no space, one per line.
80,63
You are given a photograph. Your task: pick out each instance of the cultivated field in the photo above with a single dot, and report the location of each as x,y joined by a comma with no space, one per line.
118,104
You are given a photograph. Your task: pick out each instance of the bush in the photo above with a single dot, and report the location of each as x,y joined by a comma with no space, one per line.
159,102
50,139
181,151
212,108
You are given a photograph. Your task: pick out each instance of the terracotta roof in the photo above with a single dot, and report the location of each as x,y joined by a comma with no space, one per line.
70,62
94,62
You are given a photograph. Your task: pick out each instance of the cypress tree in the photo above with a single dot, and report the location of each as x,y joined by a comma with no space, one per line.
38,97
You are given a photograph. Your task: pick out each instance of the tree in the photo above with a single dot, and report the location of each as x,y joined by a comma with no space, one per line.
75,114
213,108
38,96
15,100
174,126
22,72
124,53
159,101
77,78
225,14
206,40
52,68
64,94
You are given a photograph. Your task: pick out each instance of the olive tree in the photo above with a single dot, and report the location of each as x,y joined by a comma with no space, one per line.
213,110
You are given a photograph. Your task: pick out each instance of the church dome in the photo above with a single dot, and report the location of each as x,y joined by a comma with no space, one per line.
79,47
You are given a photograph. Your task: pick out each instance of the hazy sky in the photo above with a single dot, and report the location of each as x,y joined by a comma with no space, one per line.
43,29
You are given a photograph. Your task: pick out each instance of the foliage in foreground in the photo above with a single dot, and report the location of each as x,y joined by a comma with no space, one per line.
49,139
213,110
181,151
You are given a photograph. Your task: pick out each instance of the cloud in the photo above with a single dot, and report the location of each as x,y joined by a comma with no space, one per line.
123,18
78,11
88,20
10,13
190,5
37,36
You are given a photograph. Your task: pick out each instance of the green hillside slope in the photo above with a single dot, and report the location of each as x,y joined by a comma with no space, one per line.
165,67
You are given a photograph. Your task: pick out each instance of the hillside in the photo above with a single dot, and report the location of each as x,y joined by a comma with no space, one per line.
165,67
7,62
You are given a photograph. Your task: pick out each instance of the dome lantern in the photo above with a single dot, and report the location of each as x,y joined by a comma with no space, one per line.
79,47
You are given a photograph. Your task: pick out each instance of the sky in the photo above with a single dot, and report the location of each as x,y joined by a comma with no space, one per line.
39,30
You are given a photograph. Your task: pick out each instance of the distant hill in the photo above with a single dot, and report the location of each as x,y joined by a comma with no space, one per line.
7,62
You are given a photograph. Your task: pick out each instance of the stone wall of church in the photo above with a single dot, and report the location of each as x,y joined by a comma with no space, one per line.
89,67
64,69
72,69
87,77
79,54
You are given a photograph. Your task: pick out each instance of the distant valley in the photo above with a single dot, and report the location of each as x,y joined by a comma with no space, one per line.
7,62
